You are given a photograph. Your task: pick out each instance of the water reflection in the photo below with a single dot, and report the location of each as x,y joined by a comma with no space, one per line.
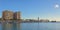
30,26
11,26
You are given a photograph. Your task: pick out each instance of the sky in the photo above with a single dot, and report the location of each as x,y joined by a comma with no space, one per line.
32,9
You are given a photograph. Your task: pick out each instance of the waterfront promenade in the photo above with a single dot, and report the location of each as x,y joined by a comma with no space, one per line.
10,21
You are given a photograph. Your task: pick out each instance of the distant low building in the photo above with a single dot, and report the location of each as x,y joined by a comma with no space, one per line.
53,21
30,20
44,20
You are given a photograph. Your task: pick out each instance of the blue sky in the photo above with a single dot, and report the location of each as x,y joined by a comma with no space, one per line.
31,9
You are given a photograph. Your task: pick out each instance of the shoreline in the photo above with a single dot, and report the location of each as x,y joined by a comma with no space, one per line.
19,21
29,22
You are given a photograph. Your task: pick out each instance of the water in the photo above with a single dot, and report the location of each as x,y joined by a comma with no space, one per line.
30,26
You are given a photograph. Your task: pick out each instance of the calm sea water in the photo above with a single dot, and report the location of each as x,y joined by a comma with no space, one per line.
30,26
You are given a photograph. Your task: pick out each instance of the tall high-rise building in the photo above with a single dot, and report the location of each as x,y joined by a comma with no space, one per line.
7,15
17,15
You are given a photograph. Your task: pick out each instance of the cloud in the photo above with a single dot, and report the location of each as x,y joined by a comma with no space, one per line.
56,6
